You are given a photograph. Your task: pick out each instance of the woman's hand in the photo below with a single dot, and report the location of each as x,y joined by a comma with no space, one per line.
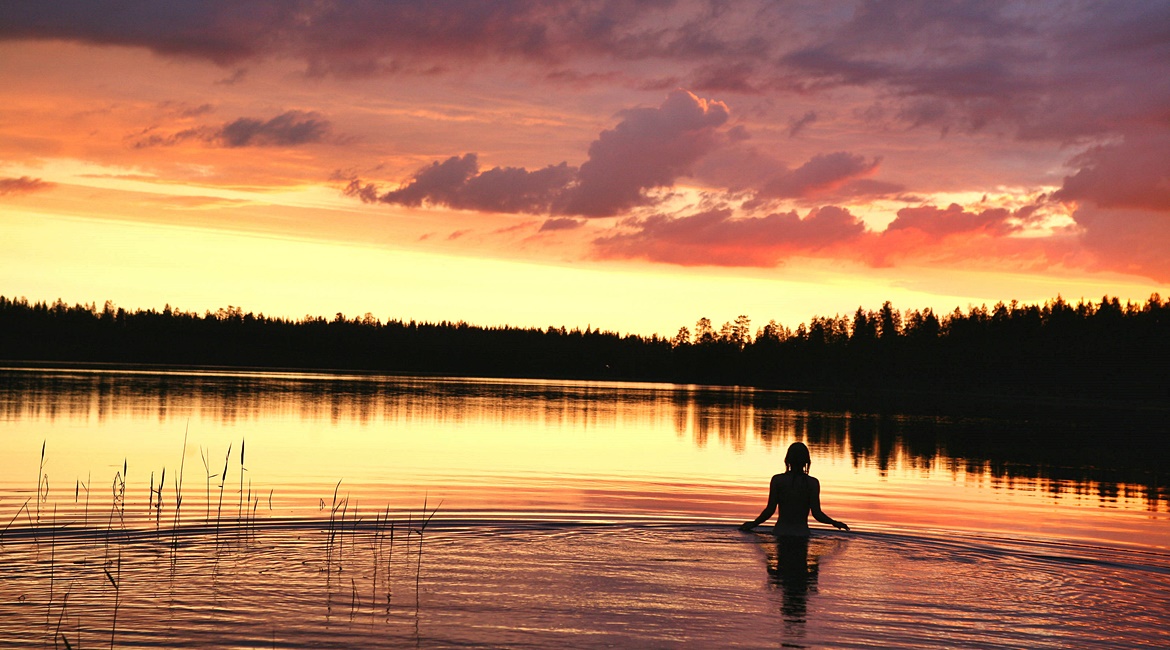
747,526
842,525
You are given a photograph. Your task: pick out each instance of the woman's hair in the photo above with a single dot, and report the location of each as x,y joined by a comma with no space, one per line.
797,457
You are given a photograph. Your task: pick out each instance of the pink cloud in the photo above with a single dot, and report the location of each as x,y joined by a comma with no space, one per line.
717,237
937,223
23,185
1122,197
958,236
649,148
1127,240
1132,174
821,175
926,235
823,178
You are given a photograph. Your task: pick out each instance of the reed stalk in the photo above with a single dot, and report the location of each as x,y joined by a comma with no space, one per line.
390,564
240,506
179,488
40,478
57,632
118,504
162,481
422,529
254,504
24,508
332,528
222,480
207,471
341,532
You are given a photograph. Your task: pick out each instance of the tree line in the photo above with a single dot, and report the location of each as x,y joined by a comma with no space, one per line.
1102,350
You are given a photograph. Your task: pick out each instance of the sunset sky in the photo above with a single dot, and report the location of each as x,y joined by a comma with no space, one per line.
629,166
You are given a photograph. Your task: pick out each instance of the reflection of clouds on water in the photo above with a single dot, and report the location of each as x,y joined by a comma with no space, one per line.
1047,453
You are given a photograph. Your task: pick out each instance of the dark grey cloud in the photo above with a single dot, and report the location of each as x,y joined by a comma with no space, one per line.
285,130
358,37
560,223
289,129
796,125
1054,70
458,183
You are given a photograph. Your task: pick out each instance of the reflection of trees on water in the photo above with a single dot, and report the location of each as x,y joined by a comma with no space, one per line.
1105,455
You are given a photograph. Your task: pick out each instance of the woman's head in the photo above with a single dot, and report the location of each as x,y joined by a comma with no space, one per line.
797,457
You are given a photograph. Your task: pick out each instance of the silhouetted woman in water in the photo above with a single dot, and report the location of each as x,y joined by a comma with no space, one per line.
796,494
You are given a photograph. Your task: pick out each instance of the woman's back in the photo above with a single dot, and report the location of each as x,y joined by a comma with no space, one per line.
793,492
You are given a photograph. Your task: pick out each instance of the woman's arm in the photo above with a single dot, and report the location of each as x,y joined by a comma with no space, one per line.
773,502
815,507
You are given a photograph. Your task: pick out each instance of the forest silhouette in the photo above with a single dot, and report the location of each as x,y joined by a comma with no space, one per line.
1102,352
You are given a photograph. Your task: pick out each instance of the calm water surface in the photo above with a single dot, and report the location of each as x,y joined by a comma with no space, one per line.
568,513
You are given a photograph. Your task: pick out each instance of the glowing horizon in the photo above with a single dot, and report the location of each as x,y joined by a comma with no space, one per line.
529,167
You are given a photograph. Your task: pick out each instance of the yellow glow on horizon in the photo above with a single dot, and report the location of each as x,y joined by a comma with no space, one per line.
140,265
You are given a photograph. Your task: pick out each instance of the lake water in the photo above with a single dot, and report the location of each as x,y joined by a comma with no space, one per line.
560,513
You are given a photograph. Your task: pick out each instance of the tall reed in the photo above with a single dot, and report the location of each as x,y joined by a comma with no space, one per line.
41,477
60,618
117,505
179,488
222,480
422,529
240,506
207,472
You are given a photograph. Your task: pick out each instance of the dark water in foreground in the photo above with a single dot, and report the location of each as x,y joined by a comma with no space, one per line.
546,585
566,514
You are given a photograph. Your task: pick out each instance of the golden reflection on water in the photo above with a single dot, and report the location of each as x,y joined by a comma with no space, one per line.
550,448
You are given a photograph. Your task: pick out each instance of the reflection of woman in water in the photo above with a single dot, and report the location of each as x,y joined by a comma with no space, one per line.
796,494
